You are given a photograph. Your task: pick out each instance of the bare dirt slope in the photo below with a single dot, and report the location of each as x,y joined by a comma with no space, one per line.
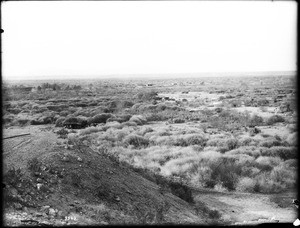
81,186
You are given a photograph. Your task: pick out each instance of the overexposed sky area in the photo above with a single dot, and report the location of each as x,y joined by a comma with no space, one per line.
91,38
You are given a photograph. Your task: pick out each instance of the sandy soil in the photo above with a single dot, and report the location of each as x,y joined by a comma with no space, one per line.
249,208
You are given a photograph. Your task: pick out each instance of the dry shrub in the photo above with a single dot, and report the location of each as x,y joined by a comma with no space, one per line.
292,139
278,180
23,122
64,113
129,124
216,142
274,119
145,130
90,130
226,171
187,140
195,139
281,151
232,143
293,163
59,122
265,163
136,140
114,124
245,184
270,143
155,117
248,142
138,119
255,120
178,120
119,118
80,121
8,118
99,118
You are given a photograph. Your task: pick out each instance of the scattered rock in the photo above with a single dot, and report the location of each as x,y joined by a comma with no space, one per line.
62,214
39,180
45,207
39,186
53,181
52,212
18,206
66,159
13,191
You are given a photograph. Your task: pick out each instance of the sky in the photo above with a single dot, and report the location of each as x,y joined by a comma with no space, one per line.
85,39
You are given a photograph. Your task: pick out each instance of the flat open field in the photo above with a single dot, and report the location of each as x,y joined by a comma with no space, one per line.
168,151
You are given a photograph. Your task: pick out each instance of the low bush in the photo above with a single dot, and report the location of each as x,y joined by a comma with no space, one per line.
8,119
136,140
245,184
145,130
265,163
248,150
195,139
270,143
34,165
138,119
226,171
78,122
22,122
129,124
90,130
292,139
176,187
178,120
278,180
119,118
248,142
59,122
64,113
232,143
182,191
155,117
282,152
255,120
274,119
254,131
99,118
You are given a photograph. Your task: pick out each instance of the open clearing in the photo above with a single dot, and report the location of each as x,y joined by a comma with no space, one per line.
165,151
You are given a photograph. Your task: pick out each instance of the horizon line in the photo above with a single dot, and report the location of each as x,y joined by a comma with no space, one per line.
154,75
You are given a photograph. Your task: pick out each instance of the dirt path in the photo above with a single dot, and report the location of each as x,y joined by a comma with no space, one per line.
18,151
249,208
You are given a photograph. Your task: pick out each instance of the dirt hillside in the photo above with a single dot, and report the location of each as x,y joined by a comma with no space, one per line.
78,185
